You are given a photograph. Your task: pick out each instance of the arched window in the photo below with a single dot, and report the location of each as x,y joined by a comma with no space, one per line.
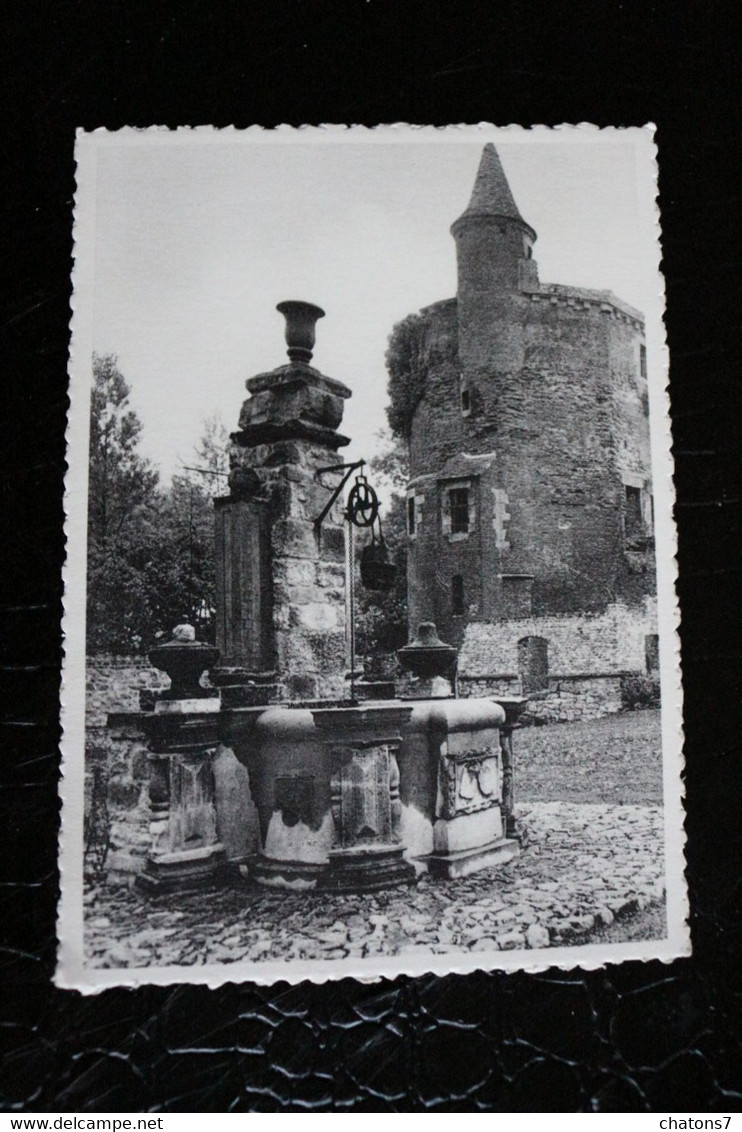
457,596
533,664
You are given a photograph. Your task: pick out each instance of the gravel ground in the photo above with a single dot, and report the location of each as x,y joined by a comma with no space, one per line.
614,759
586,868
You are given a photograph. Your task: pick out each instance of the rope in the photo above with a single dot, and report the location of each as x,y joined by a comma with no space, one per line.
352,605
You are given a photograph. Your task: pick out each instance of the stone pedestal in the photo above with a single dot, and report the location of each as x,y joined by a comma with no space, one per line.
409,687
185,852
468,822
469,833
364,744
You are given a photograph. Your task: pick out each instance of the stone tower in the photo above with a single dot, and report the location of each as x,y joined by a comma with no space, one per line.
530,490
280,585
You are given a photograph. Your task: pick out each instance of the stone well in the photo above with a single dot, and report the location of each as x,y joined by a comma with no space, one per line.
366,796
272,771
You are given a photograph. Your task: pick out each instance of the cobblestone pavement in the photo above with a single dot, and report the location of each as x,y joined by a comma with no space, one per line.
584,866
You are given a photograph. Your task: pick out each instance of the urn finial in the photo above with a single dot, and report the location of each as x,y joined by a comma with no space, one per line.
300,328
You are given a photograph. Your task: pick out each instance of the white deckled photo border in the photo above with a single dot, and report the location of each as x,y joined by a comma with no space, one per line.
203,306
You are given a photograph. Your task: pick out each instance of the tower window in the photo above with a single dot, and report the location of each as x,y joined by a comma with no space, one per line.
411,515
465,403
457,595
643,361
458,502
652,652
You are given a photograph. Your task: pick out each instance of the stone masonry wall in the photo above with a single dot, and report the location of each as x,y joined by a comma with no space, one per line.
557,399
566,700
116,756
612,642
587,656
113,684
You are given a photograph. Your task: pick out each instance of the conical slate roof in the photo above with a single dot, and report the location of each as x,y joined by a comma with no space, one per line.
491,195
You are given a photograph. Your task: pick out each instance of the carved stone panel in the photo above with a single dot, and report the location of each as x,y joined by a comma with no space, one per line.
361,795
192,815
468,781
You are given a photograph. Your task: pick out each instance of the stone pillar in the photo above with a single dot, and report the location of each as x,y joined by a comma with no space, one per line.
280,582
185,851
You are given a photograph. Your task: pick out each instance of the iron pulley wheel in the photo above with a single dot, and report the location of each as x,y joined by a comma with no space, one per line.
363,504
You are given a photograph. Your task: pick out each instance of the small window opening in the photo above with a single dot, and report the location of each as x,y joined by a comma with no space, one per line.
457,595
633,511
652,652
411,515
465,405
458,501
643,361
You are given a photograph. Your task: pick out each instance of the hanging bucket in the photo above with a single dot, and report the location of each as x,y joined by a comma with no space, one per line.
377,572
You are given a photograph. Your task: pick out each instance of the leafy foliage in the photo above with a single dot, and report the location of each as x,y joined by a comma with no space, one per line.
405,365
150,551
640,690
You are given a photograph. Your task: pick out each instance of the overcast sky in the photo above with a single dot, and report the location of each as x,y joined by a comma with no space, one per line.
198,236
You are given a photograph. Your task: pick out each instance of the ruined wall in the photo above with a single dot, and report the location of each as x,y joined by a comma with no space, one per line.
586,656
438,427
566,700
611,642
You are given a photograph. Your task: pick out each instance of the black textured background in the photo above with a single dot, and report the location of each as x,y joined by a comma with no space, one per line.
631,1037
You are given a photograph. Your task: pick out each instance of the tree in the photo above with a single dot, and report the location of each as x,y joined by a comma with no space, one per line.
150,550
177,566
211,458
405,364
122,496
381,616
121,480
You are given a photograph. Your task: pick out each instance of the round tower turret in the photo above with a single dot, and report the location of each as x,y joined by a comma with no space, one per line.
492,238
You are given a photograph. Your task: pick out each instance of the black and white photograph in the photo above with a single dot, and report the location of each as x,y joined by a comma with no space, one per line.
371,656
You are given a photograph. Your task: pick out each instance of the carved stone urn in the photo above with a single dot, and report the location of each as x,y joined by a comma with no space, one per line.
184,659
427,655
429,663
301,319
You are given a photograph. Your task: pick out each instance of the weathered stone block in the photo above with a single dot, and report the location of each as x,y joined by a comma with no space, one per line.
315,616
